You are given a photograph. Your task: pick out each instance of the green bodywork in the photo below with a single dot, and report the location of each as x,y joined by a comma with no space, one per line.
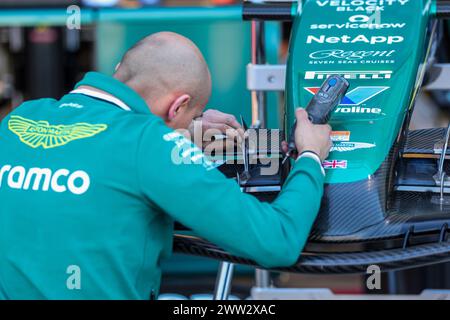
379,53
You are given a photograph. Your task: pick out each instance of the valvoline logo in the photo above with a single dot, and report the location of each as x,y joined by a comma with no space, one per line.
356,96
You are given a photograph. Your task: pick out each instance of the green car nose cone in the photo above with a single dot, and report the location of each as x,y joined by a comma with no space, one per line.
379,53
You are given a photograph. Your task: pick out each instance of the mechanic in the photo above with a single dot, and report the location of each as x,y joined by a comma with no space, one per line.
89,190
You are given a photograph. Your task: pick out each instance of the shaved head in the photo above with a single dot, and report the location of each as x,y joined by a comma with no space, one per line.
163,65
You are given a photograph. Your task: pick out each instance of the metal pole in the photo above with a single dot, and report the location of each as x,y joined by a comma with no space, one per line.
392,282
258,57
223,281
259,116
262,278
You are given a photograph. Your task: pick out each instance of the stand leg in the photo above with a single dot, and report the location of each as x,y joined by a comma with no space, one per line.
223,281
262,278
258,57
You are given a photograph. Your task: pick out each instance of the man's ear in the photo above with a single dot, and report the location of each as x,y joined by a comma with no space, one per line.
177,105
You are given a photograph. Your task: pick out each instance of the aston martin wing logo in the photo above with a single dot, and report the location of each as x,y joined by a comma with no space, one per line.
37,134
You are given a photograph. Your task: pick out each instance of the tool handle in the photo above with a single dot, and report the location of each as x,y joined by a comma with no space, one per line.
291,145
322,105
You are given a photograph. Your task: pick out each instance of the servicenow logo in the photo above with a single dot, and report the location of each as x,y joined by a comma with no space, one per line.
359,21
44,179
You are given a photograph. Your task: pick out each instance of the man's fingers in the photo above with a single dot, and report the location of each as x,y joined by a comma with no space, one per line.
216,116
284,146
232,122
230,132
326,128
241,134
234,133
222,127
301,115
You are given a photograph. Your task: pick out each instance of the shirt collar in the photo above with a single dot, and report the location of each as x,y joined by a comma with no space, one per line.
117,89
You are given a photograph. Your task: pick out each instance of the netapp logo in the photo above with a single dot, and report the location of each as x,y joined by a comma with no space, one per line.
44,179
360,5
351,75
357,39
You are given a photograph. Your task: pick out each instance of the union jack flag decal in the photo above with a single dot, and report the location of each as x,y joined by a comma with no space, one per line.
335,164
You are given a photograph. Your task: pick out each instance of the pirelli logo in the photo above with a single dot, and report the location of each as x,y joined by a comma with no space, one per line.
351,75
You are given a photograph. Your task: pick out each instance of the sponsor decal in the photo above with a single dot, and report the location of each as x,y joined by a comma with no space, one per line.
351,146
351,75
356,96
358,110
331,56
37,134
334,164
44,179
360,5
340,136
186,152
352,40
359,21
71,105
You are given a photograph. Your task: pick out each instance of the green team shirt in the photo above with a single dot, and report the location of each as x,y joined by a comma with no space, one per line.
89,190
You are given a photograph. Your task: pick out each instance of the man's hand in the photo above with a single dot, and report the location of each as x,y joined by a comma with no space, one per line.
310,137
226,123
220,122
